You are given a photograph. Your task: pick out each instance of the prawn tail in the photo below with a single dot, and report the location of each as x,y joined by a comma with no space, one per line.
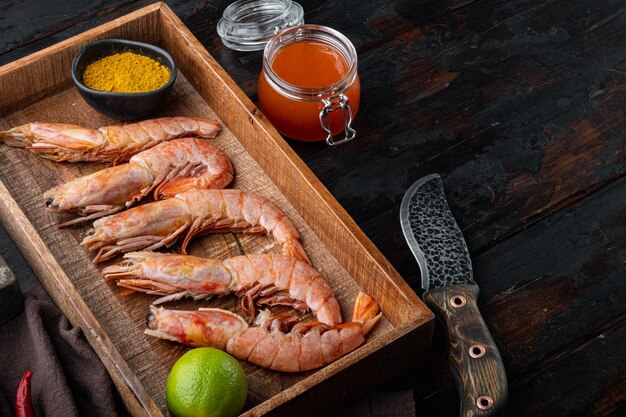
366,311
293,247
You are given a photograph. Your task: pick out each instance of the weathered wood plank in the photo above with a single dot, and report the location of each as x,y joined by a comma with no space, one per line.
508,101
412,55
27,22
587,381
382,404
366,27
590,381
512,102
481,170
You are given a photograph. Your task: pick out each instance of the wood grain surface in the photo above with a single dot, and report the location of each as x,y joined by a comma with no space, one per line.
519,105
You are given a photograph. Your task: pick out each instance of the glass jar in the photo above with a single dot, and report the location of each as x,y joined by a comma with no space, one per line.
247,25
309,88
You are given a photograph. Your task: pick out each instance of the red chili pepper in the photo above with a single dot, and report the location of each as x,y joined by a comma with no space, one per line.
23,405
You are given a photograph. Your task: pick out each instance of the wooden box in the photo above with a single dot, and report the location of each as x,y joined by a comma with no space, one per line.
39,88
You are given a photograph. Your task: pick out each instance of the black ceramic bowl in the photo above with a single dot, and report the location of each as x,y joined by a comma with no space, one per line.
125,106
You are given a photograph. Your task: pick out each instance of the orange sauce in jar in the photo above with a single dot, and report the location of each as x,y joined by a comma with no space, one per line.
306,71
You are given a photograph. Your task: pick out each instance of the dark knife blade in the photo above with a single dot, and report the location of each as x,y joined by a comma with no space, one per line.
434,236
437,243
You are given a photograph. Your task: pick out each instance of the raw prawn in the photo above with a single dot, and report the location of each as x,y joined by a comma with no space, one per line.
307,346
168,168
267,279
65,142
196,212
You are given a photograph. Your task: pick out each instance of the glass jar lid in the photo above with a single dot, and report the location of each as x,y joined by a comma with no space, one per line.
247,25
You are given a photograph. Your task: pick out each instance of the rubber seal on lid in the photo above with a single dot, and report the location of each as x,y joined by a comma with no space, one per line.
247,25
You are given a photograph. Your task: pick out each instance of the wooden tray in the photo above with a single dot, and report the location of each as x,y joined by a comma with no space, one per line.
38,88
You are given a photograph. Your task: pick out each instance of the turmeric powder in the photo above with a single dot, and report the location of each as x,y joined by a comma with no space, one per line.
126,72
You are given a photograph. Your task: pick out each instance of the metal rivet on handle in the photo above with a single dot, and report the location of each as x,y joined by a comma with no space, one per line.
457,301
484,402
477,351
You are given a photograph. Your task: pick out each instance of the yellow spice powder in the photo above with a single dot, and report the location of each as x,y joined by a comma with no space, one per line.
126,72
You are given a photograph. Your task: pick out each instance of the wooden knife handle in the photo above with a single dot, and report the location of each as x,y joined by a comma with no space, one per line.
474,357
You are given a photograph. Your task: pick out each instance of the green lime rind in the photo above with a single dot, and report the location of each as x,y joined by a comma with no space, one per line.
206,382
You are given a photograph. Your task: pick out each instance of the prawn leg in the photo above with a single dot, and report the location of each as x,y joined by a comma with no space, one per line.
307,346
154,170
205,211
66,142
101,212
147,242
263,279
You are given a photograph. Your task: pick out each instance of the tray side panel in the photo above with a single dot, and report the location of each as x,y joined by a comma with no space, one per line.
408,346
310,198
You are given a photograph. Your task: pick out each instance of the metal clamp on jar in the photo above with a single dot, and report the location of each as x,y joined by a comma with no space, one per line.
309,88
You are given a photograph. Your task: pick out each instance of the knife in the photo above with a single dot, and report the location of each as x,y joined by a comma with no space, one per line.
441,252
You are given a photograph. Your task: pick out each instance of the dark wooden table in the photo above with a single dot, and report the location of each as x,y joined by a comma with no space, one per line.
519,105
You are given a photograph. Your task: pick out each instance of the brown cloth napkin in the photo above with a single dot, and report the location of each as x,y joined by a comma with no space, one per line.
68,378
